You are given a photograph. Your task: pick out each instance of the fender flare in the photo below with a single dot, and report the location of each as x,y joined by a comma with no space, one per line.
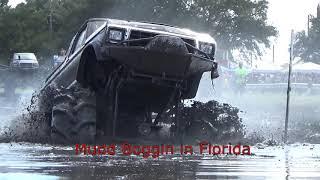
89,53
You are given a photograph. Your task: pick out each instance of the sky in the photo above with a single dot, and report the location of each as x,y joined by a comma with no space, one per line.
15,2
285,15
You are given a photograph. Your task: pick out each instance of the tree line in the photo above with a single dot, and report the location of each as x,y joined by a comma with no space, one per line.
235,24
307,45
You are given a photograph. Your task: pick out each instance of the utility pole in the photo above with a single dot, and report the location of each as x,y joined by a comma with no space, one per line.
288,89
251,61
308,24
50,27
273,54
310,16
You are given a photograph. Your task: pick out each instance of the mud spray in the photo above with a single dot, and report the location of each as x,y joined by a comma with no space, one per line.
257,122
263,112
20,119
26,123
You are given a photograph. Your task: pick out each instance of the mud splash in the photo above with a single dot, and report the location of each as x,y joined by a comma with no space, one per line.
213,121
217,122
29,125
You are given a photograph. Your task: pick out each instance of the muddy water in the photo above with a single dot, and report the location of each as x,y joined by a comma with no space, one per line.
33,161
43,161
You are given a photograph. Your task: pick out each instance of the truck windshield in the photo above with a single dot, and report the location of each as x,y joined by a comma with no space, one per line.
93,26
24,56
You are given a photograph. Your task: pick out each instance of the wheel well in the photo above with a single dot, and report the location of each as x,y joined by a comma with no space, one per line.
192,86
87,61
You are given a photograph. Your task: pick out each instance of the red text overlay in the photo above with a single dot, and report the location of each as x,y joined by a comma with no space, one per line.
164,149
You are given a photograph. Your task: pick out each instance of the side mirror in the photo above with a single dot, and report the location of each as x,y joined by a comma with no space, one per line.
214,71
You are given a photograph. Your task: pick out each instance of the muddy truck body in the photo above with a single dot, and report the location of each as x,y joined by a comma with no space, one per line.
120,77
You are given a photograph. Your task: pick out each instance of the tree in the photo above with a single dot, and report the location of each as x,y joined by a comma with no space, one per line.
307,47
3,3
235,24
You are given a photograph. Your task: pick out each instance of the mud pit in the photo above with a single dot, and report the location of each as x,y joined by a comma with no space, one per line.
218,123
33,160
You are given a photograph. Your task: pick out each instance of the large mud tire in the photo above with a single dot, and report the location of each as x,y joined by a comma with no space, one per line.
211,121
200,130
168,44
74,117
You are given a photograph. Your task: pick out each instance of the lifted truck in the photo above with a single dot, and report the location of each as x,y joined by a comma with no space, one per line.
120,78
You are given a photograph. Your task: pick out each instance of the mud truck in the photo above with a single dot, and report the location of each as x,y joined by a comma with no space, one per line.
120,77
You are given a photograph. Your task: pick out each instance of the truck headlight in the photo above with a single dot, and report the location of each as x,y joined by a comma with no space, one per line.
116,34
206,47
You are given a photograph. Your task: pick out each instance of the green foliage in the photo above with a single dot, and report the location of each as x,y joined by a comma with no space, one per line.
307,47
236,24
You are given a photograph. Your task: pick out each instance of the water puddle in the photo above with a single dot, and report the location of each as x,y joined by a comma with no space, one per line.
33,161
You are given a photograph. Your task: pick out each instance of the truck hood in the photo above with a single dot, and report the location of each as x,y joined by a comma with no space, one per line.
27,61
163,28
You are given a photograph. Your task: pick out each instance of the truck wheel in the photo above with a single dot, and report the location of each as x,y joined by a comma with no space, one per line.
74,117
201,130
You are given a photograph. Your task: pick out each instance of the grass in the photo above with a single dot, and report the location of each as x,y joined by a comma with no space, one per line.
19,90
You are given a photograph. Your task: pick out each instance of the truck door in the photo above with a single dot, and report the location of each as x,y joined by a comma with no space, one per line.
67,75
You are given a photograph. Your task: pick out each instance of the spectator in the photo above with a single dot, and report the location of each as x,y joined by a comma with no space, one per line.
240,75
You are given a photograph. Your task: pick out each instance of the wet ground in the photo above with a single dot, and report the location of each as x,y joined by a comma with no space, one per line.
34,161
45,161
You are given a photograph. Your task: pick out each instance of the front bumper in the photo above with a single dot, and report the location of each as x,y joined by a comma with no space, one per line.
25,69
160,63
28,67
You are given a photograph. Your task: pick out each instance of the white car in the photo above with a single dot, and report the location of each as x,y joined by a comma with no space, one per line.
57,60
24,61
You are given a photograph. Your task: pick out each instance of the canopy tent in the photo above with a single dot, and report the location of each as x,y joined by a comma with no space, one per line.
232,70
306,67
225,69
267,68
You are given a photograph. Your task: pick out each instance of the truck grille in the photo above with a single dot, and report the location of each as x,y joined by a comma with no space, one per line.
140,34
26,65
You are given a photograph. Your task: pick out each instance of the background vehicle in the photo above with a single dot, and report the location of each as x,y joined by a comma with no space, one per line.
24,61
57,60
120,77
21,73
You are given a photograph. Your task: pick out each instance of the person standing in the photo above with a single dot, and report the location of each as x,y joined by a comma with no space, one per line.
241,76
58,59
